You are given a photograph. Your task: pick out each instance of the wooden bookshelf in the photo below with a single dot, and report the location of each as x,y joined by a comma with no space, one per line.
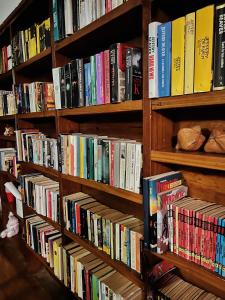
193,100
194,159
133,197
36,115
11,138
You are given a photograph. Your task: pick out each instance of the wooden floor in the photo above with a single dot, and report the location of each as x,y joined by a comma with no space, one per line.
23,277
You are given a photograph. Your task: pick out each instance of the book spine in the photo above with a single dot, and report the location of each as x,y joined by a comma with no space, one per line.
105,161
68,85
55,20
153,60
219,49
68,16
93,80
177,59
203,49
123,157
63,88
164,59
106,77
98,78
128,74
189,53
81,81
113,74
74,84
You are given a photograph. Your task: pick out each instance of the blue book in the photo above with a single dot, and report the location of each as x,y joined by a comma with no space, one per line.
55,20
164,59
87,83
128,246
223,250
73,215
218,246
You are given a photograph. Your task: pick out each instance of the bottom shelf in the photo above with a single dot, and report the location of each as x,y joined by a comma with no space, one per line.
50,270
192,272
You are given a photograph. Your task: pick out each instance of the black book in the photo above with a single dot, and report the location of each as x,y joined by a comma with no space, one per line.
219,49
5,104
113,73
80,66
83,222
146,213
42,37
61,19
105,161
21,106
74,82
26,97
63,88
68,85
133,74
59,154
75,15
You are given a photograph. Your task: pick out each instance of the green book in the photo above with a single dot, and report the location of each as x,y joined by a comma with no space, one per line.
93,80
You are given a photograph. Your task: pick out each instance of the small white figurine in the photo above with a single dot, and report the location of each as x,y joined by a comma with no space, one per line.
12,227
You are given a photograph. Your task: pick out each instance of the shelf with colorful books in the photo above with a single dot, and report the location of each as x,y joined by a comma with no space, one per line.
133,197
119,266
195,273
192,100
122,107
118,22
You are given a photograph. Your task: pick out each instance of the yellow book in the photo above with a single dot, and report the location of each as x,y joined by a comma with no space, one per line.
203,49
177,65
189,53
56,248
38,38
82,156
47,24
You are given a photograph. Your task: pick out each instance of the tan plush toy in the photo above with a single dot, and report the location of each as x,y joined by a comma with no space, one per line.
190,139
216,141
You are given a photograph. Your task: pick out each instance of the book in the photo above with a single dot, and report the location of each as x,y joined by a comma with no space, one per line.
177,57
203,49
164,59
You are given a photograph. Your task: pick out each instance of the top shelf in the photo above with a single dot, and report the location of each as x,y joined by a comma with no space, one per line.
193,100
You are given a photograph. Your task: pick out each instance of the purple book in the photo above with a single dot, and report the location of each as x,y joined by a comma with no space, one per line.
99,78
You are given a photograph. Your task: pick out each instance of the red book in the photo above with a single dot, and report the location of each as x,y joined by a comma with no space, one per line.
77,211
108,6
87,284
49,204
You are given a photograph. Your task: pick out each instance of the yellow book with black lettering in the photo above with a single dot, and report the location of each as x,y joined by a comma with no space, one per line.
38,38
189,61
177,66
204,49
32,41
56,247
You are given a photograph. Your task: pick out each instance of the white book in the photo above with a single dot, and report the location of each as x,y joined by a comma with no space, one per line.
133,249
123,154
80,268
56,74
72,274
138,167
128,166
68,13
60,263
117,243
153,60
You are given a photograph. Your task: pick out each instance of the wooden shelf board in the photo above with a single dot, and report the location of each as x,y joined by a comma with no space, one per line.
41,114
198,99
119,266
47,171
133,197
10,176
99,23
5,76
35,59
11,138
195,159
7,117
126,106
199,273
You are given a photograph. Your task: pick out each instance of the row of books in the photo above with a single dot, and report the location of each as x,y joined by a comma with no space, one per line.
113,161
198,232
183,52
34,146
110,76
81,271
42,194
5,59
171,286
30,42
70,16
160,191
8,161
117,234
7,103
34,97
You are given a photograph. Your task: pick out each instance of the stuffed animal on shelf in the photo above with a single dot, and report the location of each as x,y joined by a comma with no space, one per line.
216,141
9,130
12,227
190,139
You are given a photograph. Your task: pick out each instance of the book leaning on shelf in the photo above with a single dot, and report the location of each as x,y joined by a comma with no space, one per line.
111,76
70,16
113,161
113,232
31,41
81,271
184,53
5,59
